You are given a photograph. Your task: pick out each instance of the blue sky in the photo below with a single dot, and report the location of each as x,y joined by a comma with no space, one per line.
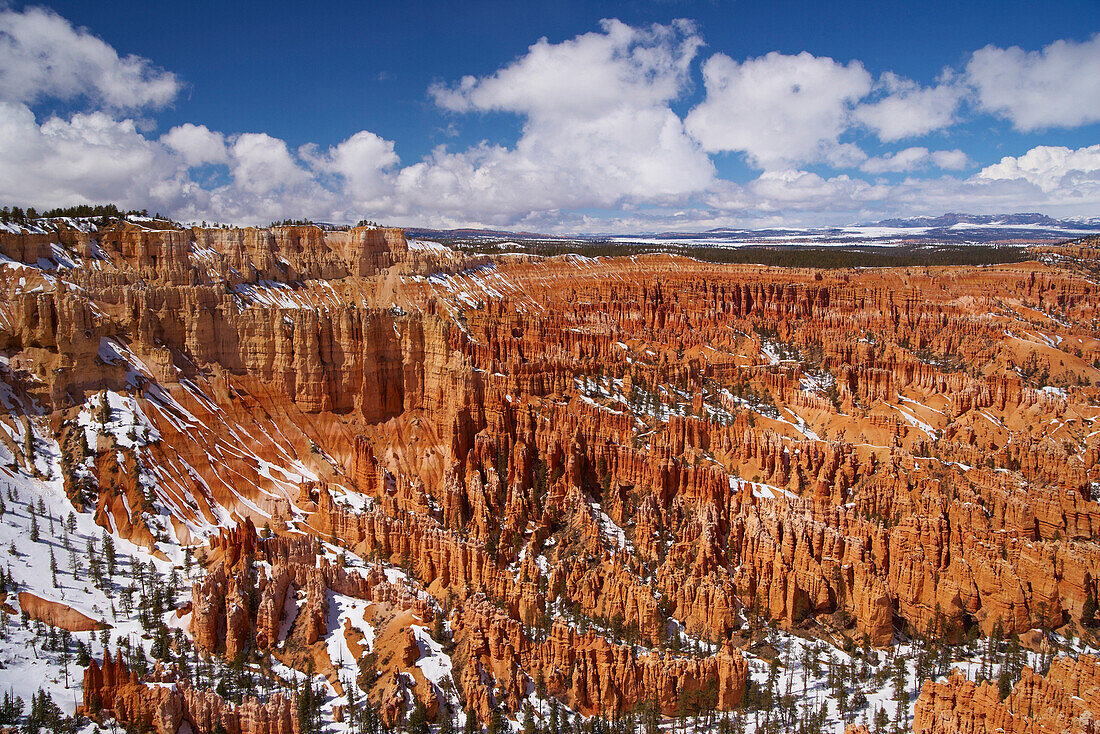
566,116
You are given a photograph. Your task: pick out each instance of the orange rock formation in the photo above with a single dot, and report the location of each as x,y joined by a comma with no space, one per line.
646,443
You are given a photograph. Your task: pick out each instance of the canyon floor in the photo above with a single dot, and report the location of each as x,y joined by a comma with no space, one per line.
292,480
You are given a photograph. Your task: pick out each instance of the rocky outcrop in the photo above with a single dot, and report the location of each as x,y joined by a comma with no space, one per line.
590,673
223,619
637,444
57,614
164,705
1066,699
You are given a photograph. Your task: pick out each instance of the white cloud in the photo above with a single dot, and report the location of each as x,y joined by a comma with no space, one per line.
43,56
912,159
88,157
598,130
623,66
794,189
779,109
261,164
1058,86
361,160
903,160
598,133
906,109
1050,168
92,157
951,160
801,198
196,144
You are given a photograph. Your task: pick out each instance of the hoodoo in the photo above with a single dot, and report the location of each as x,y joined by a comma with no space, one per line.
306,475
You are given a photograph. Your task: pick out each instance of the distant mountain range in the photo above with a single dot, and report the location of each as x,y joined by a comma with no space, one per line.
1008,220
952,228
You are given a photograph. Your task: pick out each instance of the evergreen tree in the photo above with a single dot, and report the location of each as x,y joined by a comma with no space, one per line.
28,446
446,720
418,720
83,657
881,721
471,726
109,553
45,715
308,703
171,589
439,632
11,708
66,654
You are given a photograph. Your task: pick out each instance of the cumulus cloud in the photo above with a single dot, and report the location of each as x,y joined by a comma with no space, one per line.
915,158
951,160
623,66
43,56
598,133
803,198
196,144
1058,86
90,156
598,128
906,109
93,157
361,160
1050,168
779,110
802,189
261,164
902,160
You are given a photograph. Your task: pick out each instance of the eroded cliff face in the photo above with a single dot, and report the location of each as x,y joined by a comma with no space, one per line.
650,447
164,703
586,671
1064,700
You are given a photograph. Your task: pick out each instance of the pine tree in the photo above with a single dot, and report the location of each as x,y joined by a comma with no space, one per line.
446,720
10,709
53,569
66,655
418,720
34,528
109,553
28,445
171,590
881,721
1004,682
